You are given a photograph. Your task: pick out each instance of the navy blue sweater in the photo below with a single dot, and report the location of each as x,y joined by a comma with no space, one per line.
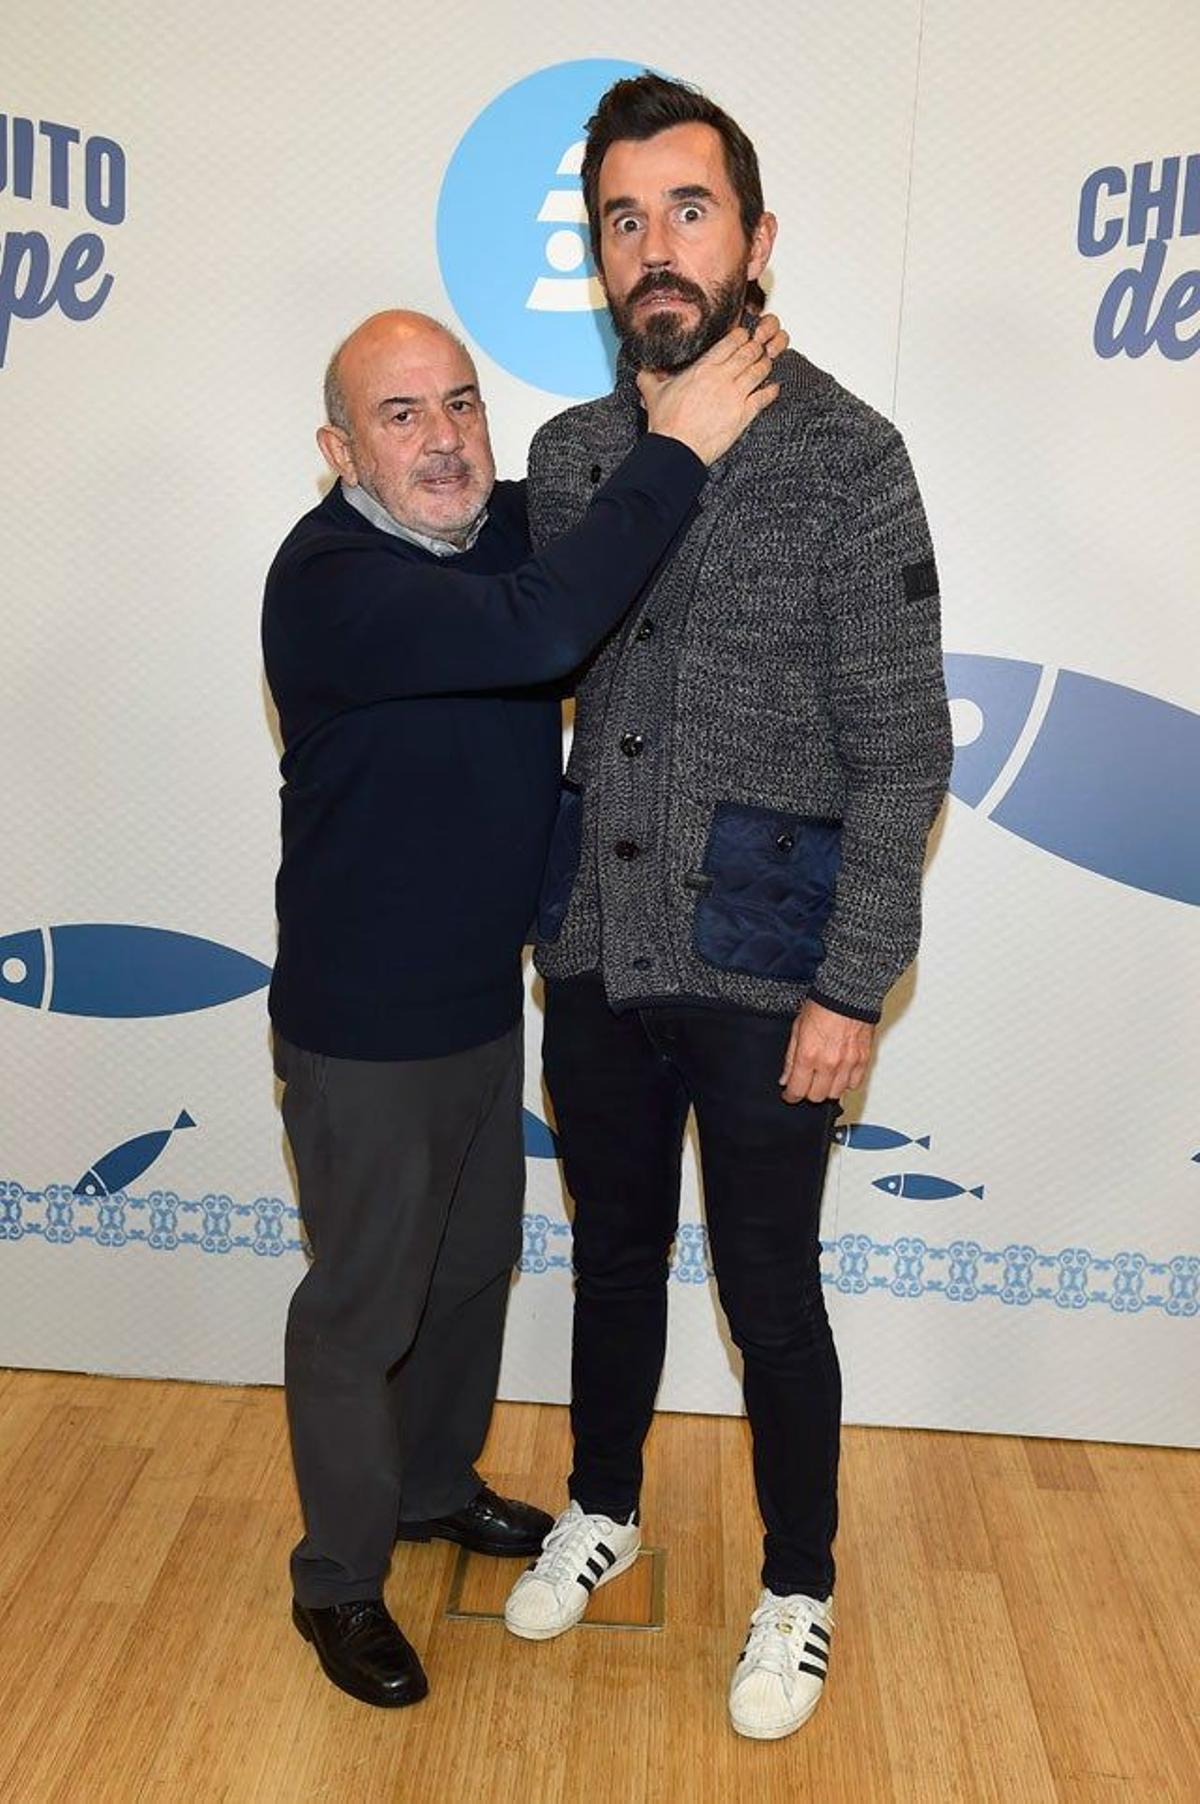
418,699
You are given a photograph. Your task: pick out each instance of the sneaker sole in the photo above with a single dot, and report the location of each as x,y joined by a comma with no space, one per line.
548,1631
775,1733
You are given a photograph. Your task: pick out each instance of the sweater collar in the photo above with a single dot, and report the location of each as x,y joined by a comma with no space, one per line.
378,515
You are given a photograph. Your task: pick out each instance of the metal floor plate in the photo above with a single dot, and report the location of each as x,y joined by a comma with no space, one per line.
635,1600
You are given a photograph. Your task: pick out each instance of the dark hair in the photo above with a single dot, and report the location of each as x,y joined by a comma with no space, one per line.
640,107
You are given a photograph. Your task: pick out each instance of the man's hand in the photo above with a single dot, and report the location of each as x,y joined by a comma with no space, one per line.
710,403
827,1055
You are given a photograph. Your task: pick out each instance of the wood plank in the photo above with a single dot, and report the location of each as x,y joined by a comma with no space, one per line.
682,1505
847,1740
1178,1468
996,1456
1060,1465
38,1486
1097,1678
996,1713
953,1535
253,1460
1101,1788
917,1685
188,1635
60,1665
1157,1534
22,1414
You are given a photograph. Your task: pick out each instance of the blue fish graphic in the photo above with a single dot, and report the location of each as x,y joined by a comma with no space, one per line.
1101,775
920,1187
868,1137
122,972
541,1142
118,1169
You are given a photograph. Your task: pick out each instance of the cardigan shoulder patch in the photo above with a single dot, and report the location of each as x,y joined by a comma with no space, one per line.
920,580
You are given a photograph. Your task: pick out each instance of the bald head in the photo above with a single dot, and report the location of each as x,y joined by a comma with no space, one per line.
394,324
406,421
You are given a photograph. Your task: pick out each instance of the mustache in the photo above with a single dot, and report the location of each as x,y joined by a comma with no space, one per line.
661,281
443,464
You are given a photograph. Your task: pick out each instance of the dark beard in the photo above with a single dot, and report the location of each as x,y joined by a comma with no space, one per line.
663,343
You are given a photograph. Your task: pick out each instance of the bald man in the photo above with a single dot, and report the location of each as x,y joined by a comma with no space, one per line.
417,653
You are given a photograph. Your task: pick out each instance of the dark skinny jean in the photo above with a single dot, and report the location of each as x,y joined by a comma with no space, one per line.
622,1086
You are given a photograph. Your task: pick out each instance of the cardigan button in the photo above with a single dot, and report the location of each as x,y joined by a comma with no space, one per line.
627,849
595,473
633,744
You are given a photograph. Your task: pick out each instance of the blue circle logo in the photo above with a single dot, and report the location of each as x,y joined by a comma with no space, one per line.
512,232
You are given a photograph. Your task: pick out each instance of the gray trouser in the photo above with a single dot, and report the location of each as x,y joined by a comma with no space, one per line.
411,1175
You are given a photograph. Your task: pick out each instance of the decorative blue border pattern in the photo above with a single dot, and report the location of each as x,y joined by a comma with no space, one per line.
963,1271
162,1220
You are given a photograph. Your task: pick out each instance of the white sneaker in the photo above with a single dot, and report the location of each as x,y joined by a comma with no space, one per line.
579,1553
780,1674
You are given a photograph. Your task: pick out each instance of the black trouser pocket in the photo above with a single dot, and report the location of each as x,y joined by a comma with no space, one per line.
767,890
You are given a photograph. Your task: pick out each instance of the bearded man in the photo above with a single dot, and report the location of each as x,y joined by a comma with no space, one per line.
760,751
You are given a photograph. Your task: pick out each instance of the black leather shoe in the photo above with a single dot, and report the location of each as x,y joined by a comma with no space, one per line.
488,1524
363,1652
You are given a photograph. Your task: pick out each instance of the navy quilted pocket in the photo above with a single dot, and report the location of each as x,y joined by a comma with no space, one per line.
562,863
770,881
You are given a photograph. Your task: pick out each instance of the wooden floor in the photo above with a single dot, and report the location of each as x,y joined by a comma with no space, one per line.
1018,1620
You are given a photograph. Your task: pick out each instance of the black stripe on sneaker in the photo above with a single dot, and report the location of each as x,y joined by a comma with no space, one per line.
595,1568
817,1672
608,1553
817,1651
816,1629
587,1583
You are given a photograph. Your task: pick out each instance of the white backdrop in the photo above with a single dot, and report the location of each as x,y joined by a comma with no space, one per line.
254,180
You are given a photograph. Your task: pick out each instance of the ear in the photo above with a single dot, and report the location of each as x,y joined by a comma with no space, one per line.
335,449
762,243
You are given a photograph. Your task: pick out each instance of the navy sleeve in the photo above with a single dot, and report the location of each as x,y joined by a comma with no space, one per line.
352,619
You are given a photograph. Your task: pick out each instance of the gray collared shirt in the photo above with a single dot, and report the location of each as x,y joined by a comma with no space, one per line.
377,514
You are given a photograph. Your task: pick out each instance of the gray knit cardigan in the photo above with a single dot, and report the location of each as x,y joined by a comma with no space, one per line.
761,748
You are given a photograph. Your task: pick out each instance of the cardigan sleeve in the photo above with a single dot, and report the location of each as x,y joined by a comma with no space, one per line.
880,604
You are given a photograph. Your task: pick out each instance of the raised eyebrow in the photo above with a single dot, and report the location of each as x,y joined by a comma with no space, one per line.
625,203
464,388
